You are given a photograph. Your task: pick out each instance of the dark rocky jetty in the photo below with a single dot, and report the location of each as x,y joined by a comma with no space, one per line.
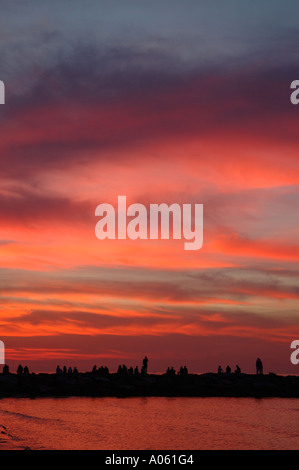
116,385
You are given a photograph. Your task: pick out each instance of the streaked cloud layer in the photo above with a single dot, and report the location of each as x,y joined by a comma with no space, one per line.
163,103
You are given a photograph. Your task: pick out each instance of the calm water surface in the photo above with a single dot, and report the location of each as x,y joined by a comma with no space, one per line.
150,423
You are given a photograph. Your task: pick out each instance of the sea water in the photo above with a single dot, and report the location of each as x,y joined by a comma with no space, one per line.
152,423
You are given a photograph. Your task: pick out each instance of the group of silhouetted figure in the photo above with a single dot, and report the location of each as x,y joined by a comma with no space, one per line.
171,371
228,371
102,371
22,370
65,371
122,370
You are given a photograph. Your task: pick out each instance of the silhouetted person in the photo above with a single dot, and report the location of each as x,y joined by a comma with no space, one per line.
238,370
259,366
136,371
5,369
145,362
58,370
104,371
20,370
220,370
170,371
75,372
94,370
70,370
228,370
26,370
64,370
183,370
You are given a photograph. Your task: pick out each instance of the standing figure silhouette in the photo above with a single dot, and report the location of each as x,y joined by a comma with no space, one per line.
259,366
145,362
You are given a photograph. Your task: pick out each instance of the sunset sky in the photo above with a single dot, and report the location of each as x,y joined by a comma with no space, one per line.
161,101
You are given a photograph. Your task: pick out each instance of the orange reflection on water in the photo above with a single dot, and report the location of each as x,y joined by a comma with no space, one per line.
150,423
